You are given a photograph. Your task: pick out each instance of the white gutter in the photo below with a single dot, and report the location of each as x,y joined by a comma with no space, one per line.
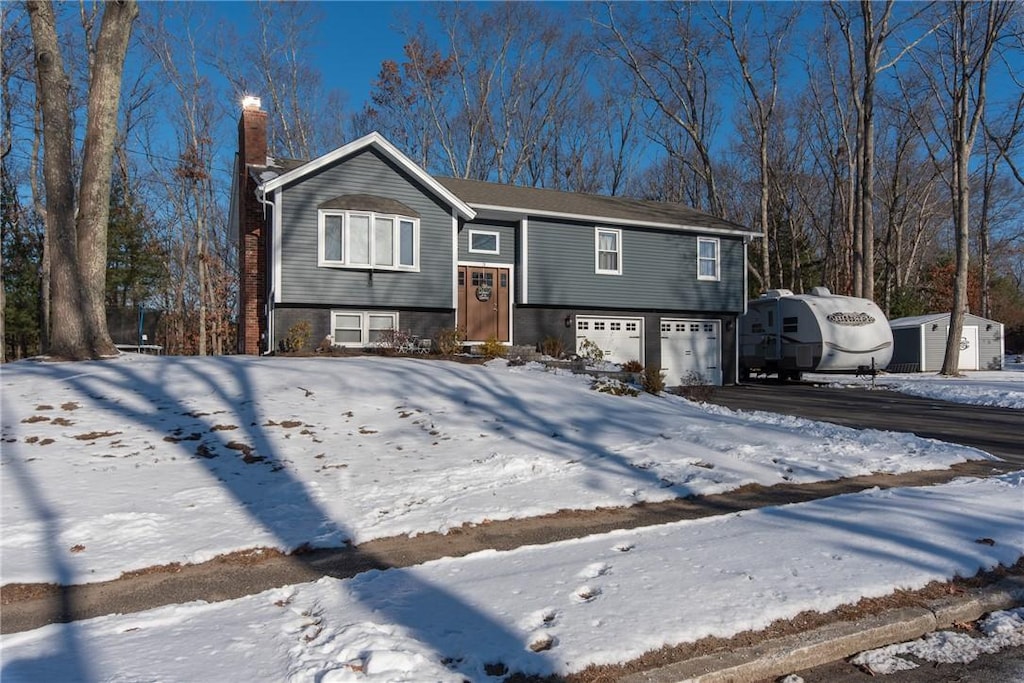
519,212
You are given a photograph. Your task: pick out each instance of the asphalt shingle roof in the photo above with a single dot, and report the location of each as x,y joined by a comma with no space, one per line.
478,193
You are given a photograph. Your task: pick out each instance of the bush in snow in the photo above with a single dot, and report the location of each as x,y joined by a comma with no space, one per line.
448,341
298,337
653,380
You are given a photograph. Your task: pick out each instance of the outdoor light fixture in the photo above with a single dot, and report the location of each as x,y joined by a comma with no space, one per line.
935,326
568,320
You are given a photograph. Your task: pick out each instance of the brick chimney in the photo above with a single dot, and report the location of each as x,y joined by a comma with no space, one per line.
252,245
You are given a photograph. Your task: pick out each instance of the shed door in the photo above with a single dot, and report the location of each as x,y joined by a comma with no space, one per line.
691,347
968,347
621,339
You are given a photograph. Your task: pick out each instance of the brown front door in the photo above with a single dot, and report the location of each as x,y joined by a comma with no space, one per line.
483,302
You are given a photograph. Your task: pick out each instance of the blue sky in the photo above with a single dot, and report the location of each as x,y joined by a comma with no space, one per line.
351,41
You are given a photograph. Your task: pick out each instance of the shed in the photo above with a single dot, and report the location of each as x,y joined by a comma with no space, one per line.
919,343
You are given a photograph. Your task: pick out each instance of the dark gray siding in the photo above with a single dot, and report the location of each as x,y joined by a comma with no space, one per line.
367,172
532,325
424,324
659,270
906,350
506,241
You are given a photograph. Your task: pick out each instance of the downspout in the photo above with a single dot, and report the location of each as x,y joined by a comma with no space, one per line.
743,311
261,198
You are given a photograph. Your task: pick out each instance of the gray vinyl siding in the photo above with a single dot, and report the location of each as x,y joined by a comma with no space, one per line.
367,172
907,344
659,270
506,242
934,347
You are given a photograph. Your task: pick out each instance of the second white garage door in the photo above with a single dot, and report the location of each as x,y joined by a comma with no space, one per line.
621,339
691,346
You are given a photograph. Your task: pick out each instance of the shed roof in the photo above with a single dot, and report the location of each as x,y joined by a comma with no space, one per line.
928,318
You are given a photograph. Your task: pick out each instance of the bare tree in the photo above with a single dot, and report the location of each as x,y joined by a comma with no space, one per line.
865,62
670,52
79,239
192,194
955,77
757,47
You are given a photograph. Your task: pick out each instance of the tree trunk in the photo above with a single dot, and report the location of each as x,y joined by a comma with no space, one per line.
67,337
79,256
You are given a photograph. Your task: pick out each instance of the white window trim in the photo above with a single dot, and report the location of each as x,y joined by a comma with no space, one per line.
597,252
364,334
717,259
495,235
323,262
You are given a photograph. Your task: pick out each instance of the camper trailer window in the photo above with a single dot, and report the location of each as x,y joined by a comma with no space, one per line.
790,324
771,320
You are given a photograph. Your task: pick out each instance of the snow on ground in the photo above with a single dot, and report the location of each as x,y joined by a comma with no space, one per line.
1004,388
999,631
554,608
138,461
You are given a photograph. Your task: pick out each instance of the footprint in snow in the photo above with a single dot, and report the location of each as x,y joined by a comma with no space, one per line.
541,619
592,571
587,593
623,547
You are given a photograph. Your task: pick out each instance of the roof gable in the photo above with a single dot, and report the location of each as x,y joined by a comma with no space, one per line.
379,142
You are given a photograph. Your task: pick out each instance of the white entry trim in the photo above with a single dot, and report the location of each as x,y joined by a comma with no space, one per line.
511,294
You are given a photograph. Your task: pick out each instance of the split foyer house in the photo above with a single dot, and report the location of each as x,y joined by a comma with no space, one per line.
362,240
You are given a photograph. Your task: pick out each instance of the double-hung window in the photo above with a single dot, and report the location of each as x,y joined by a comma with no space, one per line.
707,258
608,251
361,328
363,239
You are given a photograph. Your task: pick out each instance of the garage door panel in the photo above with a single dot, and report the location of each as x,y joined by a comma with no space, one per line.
691,347
620,339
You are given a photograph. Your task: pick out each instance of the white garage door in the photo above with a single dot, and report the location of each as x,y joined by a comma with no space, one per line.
621,339
691,346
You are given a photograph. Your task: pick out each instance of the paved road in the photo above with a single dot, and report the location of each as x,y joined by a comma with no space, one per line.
999,431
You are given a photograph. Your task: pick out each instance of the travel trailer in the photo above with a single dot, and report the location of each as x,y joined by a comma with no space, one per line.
787,334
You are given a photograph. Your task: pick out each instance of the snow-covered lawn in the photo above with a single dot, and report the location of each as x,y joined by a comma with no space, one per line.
138,461
604,598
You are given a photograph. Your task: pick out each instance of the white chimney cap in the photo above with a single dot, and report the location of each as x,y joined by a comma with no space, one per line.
251,102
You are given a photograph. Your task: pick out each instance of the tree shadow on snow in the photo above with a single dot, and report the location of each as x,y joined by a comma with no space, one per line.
153,405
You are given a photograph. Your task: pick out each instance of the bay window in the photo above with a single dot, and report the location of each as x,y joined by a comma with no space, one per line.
364,239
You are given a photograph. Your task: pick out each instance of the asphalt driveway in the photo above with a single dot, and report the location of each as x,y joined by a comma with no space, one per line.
999,431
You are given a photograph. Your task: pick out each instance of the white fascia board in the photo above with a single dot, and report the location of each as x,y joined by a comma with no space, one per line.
377,140
276,235
455,266
524,270
605,220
